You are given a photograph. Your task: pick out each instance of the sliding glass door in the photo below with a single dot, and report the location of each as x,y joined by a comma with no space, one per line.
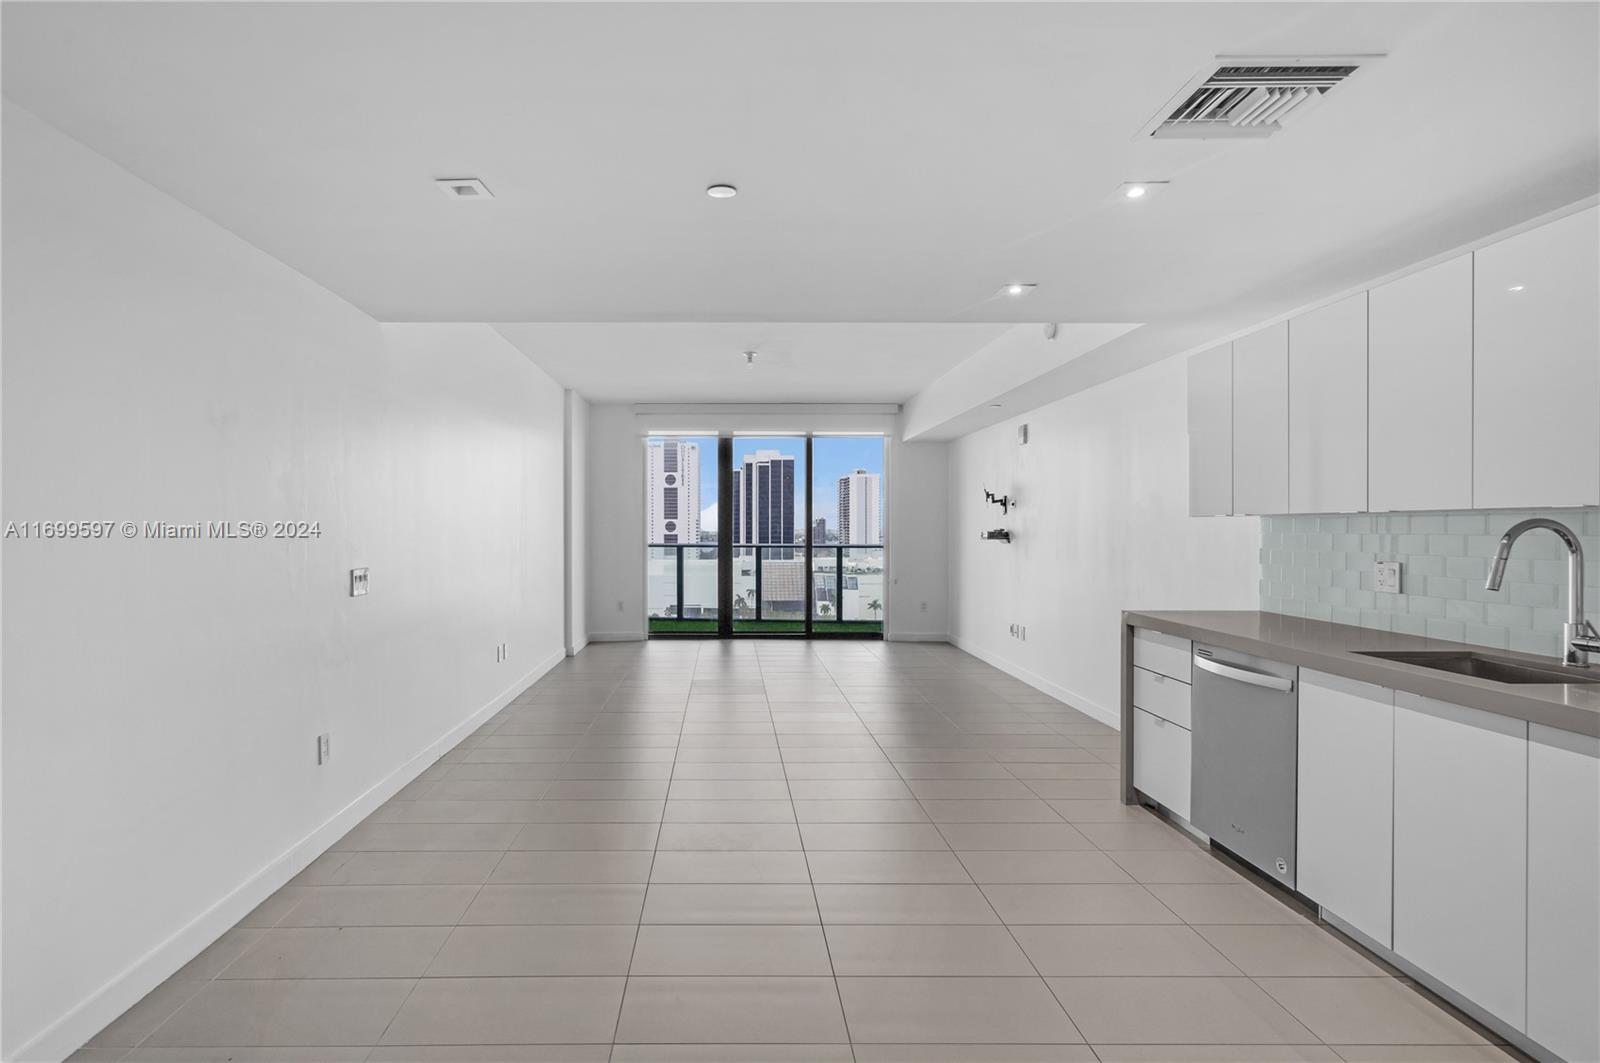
765,535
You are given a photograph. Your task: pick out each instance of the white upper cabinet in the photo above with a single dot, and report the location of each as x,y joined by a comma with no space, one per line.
1328,408
1563,882
1211,432
1536,367
1461,850
1419,391
1261,421
1344,843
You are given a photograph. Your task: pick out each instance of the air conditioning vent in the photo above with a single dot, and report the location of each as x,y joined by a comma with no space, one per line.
1251,97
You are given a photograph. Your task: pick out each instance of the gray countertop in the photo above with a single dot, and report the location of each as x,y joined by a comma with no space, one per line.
1334,648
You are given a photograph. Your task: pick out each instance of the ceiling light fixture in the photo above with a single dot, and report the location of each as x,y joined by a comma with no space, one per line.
722,191
749,357
1017,289
463,188
1515,288
1138,191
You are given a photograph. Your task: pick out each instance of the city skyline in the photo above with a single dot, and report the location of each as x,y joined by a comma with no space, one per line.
834,457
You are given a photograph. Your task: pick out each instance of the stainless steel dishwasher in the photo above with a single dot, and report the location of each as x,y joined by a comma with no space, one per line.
1246,723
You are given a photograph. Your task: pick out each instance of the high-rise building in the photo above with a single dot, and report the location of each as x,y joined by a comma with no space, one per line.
819,530
861,508
763,499
673,491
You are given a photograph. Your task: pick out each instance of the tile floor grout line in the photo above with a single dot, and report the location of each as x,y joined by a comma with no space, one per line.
822,926
655,850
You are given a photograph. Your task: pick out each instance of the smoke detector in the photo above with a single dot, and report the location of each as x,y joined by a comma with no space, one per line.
749,357
1238,97
463,188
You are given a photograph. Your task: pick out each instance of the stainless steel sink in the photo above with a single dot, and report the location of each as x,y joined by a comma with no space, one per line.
1484,666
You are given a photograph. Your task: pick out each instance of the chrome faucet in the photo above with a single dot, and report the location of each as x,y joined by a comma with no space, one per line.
1578,636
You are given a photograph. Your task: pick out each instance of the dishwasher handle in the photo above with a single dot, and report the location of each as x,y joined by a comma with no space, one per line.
1243,675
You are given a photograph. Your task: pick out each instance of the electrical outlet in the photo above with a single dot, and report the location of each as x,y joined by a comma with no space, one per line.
1386,577
324,753
358,582
924,607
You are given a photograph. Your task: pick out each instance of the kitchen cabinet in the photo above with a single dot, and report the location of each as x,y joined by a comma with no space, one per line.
1563,882
1346,800
1261,421
1328,408
1211,432
1161,761
1536,367
1460,850
1419,390
1159,652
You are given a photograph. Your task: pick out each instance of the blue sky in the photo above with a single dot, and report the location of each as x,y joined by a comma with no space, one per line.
835,456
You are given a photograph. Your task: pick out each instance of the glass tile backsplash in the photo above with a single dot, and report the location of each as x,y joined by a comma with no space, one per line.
1321,567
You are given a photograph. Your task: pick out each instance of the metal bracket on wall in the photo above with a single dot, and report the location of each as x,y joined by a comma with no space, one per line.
996,535
1005,502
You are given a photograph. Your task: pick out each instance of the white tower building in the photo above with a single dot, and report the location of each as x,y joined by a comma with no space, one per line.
861,508
673,491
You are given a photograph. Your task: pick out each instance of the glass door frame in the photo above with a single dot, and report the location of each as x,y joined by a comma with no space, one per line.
727,548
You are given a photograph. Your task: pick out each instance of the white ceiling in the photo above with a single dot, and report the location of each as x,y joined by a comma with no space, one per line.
795,362
897,162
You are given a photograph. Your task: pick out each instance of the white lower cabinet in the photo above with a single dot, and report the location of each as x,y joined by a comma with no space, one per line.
1161,752
1461,851
1563,887
1346,805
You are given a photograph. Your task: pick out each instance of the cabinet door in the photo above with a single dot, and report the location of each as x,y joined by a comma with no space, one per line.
1419,391
1563,884
1328,408
1346,808
1460,850
1261,421
1536,367
1161,761
1211,432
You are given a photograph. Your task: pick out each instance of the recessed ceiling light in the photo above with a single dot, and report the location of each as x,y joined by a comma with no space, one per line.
1137,191
994,405
1515,288
722,191
1017,289
463,188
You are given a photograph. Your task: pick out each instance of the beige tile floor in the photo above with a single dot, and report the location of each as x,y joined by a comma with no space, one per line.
779,851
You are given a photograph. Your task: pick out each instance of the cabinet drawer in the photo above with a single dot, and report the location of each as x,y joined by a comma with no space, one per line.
1162,695
1162,653
1161,761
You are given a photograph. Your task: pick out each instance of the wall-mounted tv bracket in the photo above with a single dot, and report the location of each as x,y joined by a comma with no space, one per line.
996,535
1005,502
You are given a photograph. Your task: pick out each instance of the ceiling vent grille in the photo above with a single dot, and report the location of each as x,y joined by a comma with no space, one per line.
1251,97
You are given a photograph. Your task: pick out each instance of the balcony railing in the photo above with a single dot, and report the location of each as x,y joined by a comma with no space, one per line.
844,589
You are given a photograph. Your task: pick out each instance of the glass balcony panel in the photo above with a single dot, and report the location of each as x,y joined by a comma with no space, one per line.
862,593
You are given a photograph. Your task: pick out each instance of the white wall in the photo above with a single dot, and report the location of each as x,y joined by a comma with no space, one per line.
1102,526
917,521
616,524
576,441
162,698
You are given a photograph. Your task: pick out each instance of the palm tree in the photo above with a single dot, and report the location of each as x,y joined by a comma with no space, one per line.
874,606
824,609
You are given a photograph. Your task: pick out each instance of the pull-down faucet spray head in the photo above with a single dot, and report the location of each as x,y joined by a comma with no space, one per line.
1578,636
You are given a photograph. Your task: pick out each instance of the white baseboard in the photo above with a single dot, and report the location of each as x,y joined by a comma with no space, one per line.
64,1036
916,636
577,648
616,636
1038,682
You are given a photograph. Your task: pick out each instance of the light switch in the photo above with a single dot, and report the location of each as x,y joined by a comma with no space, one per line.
358,582
1386,577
